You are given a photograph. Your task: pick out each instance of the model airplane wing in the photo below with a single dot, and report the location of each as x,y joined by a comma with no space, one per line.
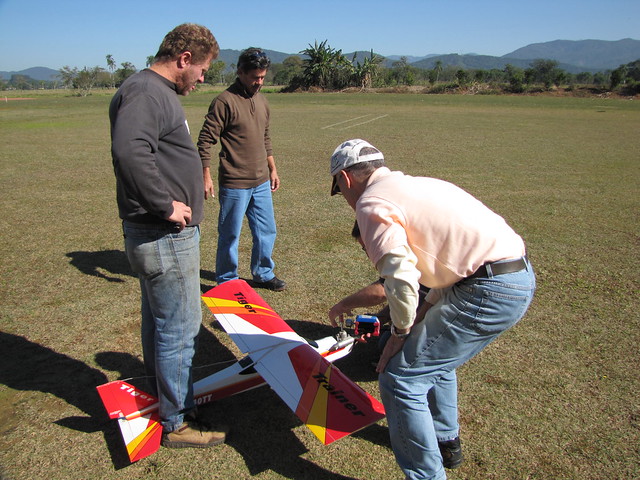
330,404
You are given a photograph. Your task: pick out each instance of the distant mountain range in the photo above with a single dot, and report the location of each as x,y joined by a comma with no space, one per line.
573,56
36,73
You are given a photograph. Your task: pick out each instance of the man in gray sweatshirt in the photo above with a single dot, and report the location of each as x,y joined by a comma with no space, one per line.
160,199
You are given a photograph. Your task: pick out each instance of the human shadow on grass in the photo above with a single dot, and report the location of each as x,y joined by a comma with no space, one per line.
29,366
112,265
95,264
263,433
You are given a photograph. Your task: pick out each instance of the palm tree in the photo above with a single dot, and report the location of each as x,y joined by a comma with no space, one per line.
438,69
111,63
363,74
325,67
318,65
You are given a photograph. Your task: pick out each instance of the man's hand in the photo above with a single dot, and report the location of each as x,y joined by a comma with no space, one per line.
208,183
275,181
181,214
338,311
273,174
391,348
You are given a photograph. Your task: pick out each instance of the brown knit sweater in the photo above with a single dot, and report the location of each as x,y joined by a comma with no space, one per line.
241,124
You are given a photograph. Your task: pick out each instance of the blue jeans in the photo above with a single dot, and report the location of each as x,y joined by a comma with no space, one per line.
256,203
168,265
419,385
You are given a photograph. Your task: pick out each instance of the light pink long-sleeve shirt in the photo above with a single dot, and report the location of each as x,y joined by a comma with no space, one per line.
448,231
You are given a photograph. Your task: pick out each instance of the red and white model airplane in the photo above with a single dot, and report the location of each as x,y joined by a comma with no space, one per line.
299,371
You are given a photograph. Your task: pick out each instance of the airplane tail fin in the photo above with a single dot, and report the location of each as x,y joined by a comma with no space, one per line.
136,412
331,405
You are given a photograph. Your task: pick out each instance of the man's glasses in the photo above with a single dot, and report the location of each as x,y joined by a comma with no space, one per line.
335,188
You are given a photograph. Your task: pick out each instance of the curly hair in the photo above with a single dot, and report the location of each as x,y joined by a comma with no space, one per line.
188,37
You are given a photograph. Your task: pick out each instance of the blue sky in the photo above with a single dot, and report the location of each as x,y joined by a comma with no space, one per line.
81,33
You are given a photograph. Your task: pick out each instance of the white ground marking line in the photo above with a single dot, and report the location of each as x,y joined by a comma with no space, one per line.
362,123
346,121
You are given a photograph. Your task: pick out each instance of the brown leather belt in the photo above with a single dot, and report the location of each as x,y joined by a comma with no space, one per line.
500,268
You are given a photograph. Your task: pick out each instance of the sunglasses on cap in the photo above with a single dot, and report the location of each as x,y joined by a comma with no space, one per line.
257,55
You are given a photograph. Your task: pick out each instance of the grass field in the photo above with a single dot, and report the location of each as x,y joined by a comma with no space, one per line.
554,398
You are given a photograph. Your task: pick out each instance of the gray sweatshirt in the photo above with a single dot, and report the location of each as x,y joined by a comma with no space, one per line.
154,158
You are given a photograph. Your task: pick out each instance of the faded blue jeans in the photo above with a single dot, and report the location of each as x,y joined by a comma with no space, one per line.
167,263
419,385
257,204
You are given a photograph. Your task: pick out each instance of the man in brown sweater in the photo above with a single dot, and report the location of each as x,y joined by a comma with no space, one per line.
239,119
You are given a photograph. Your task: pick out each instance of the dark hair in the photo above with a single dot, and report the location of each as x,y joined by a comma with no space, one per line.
188,37
252,59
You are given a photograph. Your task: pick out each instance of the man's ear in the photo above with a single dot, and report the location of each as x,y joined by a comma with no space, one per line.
347,178
184,59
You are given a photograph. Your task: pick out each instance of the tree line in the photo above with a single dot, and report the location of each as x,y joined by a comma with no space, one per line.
323,68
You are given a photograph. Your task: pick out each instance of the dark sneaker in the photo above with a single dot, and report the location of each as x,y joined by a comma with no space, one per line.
274,284
451,452
194,434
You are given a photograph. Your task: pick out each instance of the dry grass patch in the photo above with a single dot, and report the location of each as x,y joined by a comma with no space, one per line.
556,397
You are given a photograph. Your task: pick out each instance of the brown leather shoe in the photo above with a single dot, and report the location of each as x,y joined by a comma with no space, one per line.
194,434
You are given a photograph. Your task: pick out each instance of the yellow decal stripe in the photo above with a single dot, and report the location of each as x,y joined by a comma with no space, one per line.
231,306
317,421
139,442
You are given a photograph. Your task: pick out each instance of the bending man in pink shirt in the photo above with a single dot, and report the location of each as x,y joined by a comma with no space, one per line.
425,231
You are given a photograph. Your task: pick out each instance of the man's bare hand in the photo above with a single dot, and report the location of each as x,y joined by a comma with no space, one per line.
275,181
208,183
338,312
391,348
181,214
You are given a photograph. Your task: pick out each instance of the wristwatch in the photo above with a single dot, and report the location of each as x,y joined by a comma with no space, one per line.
398,335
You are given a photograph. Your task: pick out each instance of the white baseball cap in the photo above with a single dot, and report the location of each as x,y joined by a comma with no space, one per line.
348,154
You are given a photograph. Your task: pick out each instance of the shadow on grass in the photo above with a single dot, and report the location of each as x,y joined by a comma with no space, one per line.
114,262
262,432
28,366
95,263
